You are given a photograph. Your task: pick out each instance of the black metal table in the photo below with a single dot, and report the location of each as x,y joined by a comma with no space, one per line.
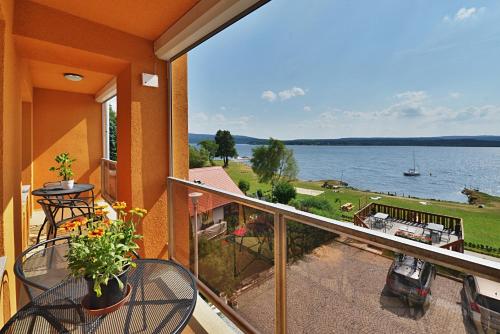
59,192
162,300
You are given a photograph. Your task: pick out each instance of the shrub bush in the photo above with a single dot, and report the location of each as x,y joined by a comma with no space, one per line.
309,203
284,192
244,186
197,157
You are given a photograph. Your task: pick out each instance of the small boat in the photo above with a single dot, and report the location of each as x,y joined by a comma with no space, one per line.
412,171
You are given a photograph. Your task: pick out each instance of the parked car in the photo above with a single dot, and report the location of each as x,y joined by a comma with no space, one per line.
411,278
482,302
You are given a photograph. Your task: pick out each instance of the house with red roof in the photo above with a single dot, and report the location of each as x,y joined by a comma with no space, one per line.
211,207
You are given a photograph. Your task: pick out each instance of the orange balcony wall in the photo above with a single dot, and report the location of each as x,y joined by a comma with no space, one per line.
66,122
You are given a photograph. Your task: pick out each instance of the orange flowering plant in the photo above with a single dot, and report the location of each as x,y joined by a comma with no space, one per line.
105,249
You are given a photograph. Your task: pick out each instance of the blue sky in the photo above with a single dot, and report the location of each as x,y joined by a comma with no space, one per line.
330,69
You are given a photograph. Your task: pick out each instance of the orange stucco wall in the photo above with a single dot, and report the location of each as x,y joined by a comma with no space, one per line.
10,151
180,159
142,120
63,121
27,142
66,122
142,135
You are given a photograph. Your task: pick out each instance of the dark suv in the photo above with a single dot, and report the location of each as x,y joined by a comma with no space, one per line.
411,278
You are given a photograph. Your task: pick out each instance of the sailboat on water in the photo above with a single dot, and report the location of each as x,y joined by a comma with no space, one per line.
412,171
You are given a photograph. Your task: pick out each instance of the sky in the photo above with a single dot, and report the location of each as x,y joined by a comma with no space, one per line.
351,68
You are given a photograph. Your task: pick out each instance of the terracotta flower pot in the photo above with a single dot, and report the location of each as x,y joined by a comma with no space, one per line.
111,293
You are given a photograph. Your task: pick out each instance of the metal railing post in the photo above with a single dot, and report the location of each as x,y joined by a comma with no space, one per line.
279,273
170,220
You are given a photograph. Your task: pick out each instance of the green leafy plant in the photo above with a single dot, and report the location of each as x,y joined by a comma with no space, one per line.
284,192
64,168
197,157
244,186
106,249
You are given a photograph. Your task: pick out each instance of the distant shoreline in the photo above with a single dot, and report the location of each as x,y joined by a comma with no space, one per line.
445,141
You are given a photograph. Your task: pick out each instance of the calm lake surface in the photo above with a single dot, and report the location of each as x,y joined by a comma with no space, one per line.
444,170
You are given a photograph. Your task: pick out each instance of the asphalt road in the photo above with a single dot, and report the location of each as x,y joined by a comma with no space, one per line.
340,289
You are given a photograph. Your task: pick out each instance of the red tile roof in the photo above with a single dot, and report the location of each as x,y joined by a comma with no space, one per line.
215,177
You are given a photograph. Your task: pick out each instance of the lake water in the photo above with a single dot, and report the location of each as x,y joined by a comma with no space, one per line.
444,170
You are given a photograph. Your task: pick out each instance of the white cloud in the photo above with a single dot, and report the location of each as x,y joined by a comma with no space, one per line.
268,95
219,118
328,116
201,122
408,104
198,117
289,93
454,95
464,14
307,109
412,96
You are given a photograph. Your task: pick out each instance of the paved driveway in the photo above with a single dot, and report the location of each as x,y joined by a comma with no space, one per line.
340,289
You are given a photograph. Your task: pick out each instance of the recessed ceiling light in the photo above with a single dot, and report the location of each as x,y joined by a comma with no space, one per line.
73,76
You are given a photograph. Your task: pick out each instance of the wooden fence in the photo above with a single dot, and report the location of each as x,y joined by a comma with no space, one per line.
450,223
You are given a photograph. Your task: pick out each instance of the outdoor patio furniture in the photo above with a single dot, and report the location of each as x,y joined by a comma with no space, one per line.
436,231
162,299
445,236
42,266
54,192
380,220
54,213
51,190
380,215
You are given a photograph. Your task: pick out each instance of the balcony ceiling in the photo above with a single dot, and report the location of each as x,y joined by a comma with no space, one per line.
50,76
146,19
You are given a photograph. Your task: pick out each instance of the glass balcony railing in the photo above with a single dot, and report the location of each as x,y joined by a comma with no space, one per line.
108,180
273,269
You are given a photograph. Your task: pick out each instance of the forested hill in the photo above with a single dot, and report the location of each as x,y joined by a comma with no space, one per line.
458,141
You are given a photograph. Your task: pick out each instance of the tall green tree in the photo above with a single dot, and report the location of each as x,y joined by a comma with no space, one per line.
274,162
197,157
226,149
112,134
211,147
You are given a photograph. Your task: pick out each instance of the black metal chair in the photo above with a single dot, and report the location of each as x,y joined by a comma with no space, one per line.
43,265
55,209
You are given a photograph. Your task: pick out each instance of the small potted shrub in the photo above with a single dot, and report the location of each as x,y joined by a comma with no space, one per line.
103,256
64,169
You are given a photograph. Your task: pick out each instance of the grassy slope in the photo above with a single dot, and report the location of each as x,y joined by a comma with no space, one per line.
480,225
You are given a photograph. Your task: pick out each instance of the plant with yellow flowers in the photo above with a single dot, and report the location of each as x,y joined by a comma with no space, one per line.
104,251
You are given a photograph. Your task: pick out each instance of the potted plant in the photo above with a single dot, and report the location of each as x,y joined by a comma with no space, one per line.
103,256
64,169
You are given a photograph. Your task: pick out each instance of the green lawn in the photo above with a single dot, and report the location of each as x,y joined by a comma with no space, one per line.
480,225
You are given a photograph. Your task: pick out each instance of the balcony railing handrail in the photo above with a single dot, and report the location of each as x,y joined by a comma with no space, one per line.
109,161
453,260
108,187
